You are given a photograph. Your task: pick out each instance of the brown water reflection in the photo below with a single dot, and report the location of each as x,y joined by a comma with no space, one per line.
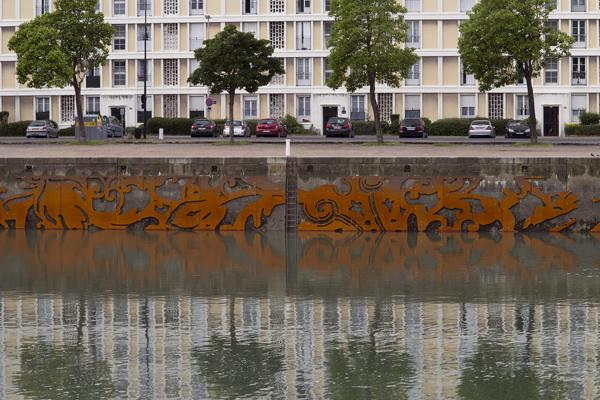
226,315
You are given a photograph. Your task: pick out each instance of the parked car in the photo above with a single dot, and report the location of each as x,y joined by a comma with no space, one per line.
339,126
516,128
240,128
413,127
204,127
481,127
113,126
271,127
42,129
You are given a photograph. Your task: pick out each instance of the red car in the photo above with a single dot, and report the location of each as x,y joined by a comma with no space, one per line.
271,127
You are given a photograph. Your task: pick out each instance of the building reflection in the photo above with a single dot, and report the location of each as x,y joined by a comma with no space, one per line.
206,315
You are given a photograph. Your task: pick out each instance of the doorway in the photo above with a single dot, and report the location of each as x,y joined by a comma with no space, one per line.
328,112
120,115
550,121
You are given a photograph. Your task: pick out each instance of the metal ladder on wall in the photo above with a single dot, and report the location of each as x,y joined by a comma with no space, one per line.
291,195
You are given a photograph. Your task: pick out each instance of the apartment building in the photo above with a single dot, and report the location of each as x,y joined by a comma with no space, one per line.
437,86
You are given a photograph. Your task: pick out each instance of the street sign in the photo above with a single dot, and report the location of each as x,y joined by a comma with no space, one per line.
209,102
209,108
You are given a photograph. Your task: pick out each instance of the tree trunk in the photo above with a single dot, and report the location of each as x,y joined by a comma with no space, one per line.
532,119
77,88
231,101
375,106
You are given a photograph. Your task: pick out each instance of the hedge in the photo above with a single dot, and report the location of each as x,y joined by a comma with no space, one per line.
589,118
171,126
14,129
368,127
582,130
70,131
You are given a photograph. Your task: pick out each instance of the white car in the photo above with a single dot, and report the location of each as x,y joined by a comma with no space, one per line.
480,128
240,128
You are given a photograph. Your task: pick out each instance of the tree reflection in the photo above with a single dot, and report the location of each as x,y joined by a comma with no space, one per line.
359,370
236,368
62,372
496,372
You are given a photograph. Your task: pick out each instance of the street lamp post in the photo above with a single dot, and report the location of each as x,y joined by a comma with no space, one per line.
145,63
207,16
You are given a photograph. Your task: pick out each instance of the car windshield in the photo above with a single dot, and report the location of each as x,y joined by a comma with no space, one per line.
202,123
517,124
337,121
236,122
411,122
480,123
37,123
267,121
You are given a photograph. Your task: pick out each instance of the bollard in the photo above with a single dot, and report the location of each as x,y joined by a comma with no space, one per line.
287,147
160,133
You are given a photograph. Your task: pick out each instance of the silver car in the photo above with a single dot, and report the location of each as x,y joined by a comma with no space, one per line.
240,128
42,129
481,127
113,126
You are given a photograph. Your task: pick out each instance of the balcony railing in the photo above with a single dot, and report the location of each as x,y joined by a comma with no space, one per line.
579,78
92,81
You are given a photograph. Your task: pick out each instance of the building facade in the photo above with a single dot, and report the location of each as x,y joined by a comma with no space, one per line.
437,86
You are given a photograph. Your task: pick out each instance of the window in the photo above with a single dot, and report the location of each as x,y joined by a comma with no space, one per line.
119,7
277,34
171,37
196,36
466,79
140,73
304,108
327,5
276,6
277,105
495,105
413,6
414,34
413,78
466,5
97,7
303,71
144,37
522,106
578,105
119,73
67,108
279,79
197,106
386,106
144,7
250,27
552,3
412,106
551,71
93,105
578,33
92,78
326,33
42,6
467,105
357,108
327,69
170,106
171,72
42,108
170,7
249,6
194,65
303,6
119,38
303,36
196,7
579,71
578,6
250,108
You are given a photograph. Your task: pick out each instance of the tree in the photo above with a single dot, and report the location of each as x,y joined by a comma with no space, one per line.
235,60
365,45
58,48
506,40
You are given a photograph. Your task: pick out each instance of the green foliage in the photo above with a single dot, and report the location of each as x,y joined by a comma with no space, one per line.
426,120
56,49
70,131
4,117
252,125
14,129
365,46
292,125
589,118
368,128
170,126
499,125
235,60
582,130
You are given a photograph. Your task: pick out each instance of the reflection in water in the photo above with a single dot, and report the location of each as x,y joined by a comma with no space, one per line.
230,315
